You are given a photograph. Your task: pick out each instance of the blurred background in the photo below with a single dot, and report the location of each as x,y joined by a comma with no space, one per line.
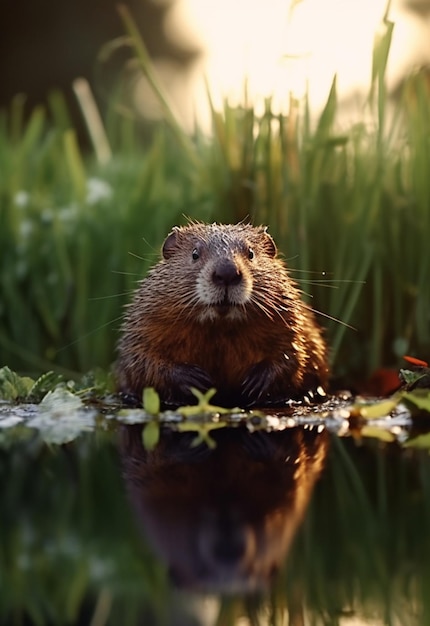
279,46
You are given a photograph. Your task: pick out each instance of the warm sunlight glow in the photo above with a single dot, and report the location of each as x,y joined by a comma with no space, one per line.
287,46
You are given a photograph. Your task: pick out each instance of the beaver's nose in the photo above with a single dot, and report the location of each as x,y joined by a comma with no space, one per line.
226,273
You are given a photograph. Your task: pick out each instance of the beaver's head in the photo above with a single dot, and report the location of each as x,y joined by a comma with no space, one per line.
227,269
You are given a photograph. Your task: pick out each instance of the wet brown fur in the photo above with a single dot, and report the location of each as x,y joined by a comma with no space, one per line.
257,342
223,519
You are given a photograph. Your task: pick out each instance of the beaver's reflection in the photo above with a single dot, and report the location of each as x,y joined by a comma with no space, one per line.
223,519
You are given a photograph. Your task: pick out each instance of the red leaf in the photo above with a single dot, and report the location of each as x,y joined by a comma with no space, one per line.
413,361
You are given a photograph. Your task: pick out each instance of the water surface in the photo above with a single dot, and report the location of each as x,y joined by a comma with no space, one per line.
316,515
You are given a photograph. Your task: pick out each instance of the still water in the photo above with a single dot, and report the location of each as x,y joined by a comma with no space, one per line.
300,518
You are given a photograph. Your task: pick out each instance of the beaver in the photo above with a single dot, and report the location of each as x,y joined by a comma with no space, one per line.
222,519
220,310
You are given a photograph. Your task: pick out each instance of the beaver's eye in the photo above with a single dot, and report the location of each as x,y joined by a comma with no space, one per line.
250,254
195,254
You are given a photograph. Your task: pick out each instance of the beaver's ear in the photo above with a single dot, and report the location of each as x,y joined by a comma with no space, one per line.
268,243
170,243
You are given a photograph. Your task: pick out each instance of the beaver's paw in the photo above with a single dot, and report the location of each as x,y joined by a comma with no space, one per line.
129,399
184,377
258,382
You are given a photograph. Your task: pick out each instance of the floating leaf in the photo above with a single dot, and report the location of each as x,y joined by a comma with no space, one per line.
202,432
204,405
151,435
199,427
62,417
151,401
378,410
377,433
422,441
59,401
420,400
203,437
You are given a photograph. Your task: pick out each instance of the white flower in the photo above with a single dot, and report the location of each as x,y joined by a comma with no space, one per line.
22,198
26,228
98,190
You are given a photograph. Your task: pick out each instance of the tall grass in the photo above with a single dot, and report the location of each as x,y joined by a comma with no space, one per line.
76,235
349,209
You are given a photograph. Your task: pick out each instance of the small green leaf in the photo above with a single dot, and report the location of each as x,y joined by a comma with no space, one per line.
151,401
204,406
203,437
62,417
203,398
420,400
202,432
410,377
377,433
422,441
45,382
378,410
13,386
60,401
151,435
199,427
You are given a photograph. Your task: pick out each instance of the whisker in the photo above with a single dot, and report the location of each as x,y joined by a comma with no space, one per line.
261,307
146,242
270,309
142,258
331,283
274,304
189,303
315,283
88,334
337,280
121,273
113,295
333,319
299,270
